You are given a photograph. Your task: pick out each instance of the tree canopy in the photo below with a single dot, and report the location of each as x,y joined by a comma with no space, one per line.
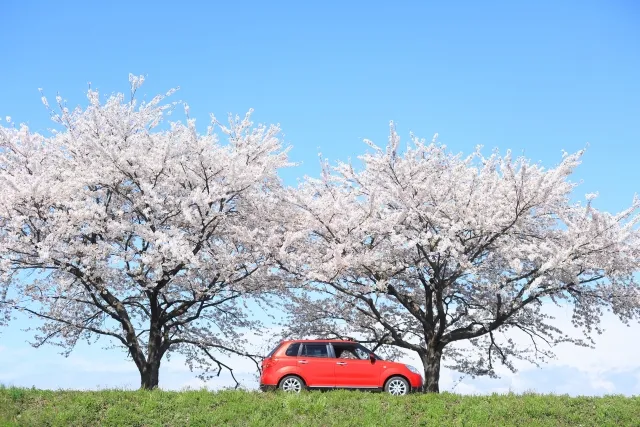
123,224
126,226
423,248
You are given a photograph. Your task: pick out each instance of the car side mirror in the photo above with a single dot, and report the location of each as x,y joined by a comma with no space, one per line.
372,357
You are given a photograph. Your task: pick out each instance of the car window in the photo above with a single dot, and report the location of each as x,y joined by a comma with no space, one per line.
361,353
347,353
274,350
315,350
344,351
364,353
293,349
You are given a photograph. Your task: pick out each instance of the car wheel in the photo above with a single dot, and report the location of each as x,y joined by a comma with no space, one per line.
397,386
291,384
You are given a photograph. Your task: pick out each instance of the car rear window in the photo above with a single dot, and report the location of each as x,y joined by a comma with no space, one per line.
274,350
293,349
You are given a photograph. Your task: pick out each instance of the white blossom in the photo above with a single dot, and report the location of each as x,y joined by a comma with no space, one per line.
139,230
436,247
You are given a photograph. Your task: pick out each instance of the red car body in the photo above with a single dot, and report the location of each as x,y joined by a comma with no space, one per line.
321,364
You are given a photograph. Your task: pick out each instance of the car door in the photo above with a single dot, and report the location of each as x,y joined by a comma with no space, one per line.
360,372
316,367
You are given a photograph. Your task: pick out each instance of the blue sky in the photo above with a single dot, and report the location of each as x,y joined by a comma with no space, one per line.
534,77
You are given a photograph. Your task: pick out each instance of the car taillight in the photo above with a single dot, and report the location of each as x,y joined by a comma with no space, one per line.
266,363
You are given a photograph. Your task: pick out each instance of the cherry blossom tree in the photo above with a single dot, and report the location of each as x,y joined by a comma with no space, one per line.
449,256
126,226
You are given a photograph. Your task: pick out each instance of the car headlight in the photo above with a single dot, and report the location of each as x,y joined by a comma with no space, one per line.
412,369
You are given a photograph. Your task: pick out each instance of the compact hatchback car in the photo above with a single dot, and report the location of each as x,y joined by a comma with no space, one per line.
300,364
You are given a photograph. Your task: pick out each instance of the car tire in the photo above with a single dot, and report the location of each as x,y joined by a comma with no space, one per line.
397,386
291,384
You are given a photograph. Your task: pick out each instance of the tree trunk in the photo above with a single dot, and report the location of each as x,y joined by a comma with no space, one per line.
150,375
431,364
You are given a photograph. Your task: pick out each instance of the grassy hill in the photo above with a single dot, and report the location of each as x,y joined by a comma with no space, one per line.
30,407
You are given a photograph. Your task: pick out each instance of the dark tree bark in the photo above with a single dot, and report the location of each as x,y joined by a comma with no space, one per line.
431,365
150,375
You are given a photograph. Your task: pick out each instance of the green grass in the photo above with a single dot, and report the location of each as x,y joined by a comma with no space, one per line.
30,407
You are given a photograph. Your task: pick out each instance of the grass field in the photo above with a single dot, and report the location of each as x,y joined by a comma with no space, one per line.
30,407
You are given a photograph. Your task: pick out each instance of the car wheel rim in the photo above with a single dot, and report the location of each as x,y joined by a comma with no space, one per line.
397,388
291,385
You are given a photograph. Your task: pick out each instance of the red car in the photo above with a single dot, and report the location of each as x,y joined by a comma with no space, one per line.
300,364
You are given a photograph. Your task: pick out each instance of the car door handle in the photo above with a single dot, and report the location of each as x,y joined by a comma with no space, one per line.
302,362
341,363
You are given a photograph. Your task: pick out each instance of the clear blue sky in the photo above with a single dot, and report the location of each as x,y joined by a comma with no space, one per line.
536,77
